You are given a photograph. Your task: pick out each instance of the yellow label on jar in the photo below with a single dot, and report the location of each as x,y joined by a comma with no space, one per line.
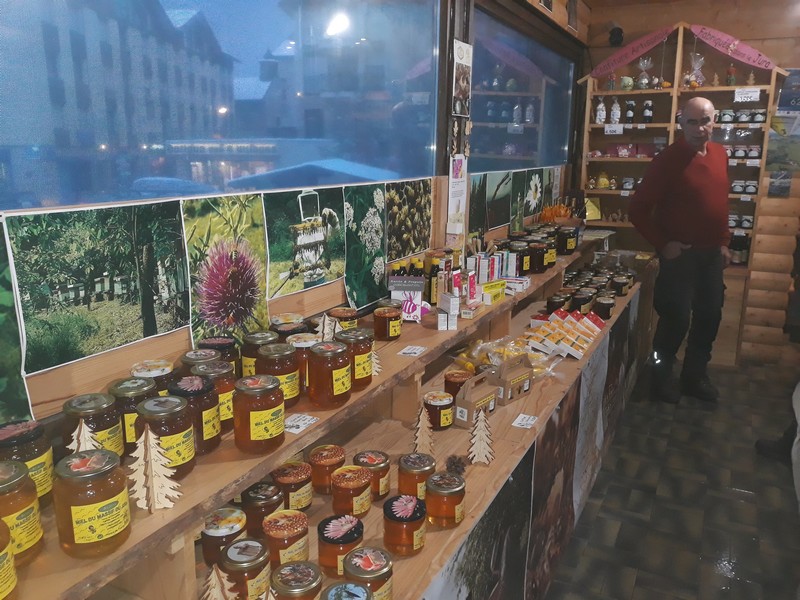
384,485
129,420
290,385
25,526
363,364
163,393
394,327
550,256
340,562
419,537
248,366
101,520
421,490
526,263
341,380
178,448
257,587
385,593
211,426
41,471
111,439
300,499
460,512
8,573
362,502
297,551
266,424
226,406
348,324
571,243
446,416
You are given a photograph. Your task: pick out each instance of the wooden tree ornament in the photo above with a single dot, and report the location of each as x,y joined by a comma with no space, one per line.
150,474
480,444
328,327
83,439
218,586
423,433
376,364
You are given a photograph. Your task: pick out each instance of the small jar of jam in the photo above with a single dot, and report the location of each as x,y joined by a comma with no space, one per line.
246,562
555,302
324,460
621,285
284,330
221,527
373,567
294,478
329,378
349,589
127,394
338,535
404,524
350,487
454,380
359,342
280,361
27,442
196,357
388,323
8,570
90,498
258,425
259,501
160,371
522,263
100,417
170,419
582,301
221,374
227,348
439,406
344,315
445,499
19,509
287,536
299,580
302,343
203,402
378,464
252,342
412,472
604,307
538,257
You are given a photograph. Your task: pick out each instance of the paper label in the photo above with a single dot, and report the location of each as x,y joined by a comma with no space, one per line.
8,574
128,421
362,502
266,424
460,512
746,94
526,263
111,438
296,422
571,243
301,498
524,421
178,448
412,351
461,413
550,256
211,426
102,520
258,586
341,380
446,416
248,366
290,384
297,551
363,365
419,537
25,526
421,490
226,406
41,471
385,593
394,327
163,393
384,485
615,129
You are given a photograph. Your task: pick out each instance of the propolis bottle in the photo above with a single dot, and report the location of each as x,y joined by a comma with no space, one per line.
433,281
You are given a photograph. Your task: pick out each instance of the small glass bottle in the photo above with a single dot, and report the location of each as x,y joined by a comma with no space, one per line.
259,501
287,536
90,498
298,580
203,403
350,488
8,570
252,342
346,316
228,349
127,394
412,472
294,478
100,417
302,343
346,589
246,562
324,460
404,525
160,371
373,567
439,406
221,527
280,361
338,535
196,357
378,464
454,380
170,419
445,499
19,509
224,379
258,425
359,343
329,379
388,323
27,442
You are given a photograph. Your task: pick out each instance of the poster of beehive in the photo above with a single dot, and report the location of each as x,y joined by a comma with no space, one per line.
365,228
408,217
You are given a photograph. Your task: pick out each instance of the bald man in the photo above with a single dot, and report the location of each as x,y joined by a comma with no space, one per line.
681,208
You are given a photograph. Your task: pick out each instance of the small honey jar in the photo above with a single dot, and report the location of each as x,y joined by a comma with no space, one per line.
372,567
258,414
127,394
223,377
294,478
19,509
100,417
329,375
160,371
453,380
300,580
350,487
346,316
27,442
388,322
413,470
203,401
252,342
259,501
169,418
439,406
196,357
246,562
302,343
222,527
8,570
324,460
349,589
445,499
378,464
280,361
338,535
287,536
404,525
359,342
227,348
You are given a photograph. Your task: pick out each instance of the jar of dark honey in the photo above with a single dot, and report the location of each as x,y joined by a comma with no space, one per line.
299,580
348,589
227,348
359,343
100,417
258,425
287,536
350,488
454,380
404,525
259,501
285,330
221,374
329,378
566,240
412,473
203,403
550,254
555,302
539,262
280,361
621,284
221,527
372,567
196,357
127,394
19,509
8,570
378,464
252,342
246,563
160,371
27,442
445,499
345,316
294,478
324,460
338,535
90,498
439,406
388,323
302,343
604,307
170,419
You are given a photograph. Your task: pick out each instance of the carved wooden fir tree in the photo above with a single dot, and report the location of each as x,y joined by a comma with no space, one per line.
480,444
218,586
376,364
83,438
423,433
150,474
328,327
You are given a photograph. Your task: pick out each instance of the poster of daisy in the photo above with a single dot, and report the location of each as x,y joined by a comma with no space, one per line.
533,193
226,244
306,239
408,217
365,226
498,199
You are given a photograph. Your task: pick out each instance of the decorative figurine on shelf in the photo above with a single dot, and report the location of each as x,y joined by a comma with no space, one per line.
511,85
498,81
611,83
423,436
643,80
600,112
626,82
612,183
530,112
602,181
686,78
715,80
647,111
591,184
616,112
630,107
751,79
656,81
666,84
730,77
83,438
697,61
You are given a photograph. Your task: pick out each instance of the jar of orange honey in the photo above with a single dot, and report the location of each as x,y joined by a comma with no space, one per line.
372,567
338,535
378,464
286,532
350,487
412,472
324,460
445,499
404,525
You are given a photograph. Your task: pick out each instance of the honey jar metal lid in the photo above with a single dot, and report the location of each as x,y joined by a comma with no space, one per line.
161,406
131,387
437,398
152,368
259,338
357,334
329,348
446,484
12,472
285,523
351,477
224,521
371,459
342,312
416,462
303,340
340,529
244,554
276,350
327,454
213,369
292,472
404,508
201,355
286,318
367,562
296,578
88,404
458,376
221,342
262,493
605,300
190,386
389,303
290,328
257,384
389,312
346,589
20,432
87,464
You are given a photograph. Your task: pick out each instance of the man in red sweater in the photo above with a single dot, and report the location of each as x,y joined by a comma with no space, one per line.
681,208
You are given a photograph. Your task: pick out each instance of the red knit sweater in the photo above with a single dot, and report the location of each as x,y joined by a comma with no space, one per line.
684,198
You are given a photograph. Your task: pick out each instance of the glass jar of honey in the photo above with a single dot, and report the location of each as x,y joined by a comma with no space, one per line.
8,570
294,478
348,589
445,499
246,562
287,318
344,315
538,257
388,323
27,442
90,498
258,501
350,487
196,357
378,464
221,374
287,536
453,380
170,419
280,361
359,343
19,509
258,414
100,417
299,580
412,472
372,567
221,527
338,535
285,330
252,342
203,403
329,378
324,460
439,406
550,253
227,348
160,371
302,343
404,525
127,394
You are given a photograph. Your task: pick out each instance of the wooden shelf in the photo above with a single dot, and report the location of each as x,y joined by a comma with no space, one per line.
594,192
720,88
632,159
633,126
740,196
605,93
504,125
507,94
611,224
501,156
759,126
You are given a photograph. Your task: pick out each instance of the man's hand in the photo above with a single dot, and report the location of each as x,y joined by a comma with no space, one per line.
673,249
726,256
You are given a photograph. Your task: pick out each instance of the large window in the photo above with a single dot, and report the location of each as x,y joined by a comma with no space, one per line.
121,100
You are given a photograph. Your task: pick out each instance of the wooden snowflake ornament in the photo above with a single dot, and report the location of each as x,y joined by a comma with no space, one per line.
150,474
376,364
480,444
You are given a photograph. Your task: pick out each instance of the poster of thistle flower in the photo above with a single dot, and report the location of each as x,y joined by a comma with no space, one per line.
477,204
519,190
306,239
365,225
498,199
533,193
226,243
408,217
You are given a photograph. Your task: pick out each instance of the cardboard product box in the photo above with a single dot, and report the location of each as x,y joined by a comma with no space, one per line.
448,303
441,320
471,310
452,322
514,379
409,291
476,394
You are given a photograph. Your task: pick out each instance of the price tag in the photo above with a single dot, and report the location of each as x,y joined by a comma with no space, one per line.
641,126
412,351
524,421
746,95
746,198
625,193
613,129
732,162
515,129
753,162
295,423
628,126
755,125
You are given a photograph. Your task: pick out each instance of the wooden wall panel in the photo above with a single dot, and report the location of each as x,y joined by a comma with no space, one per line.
770,300
773,244
764,317
776,282
779,207
760,353
776,225
559,17
758,334
772,263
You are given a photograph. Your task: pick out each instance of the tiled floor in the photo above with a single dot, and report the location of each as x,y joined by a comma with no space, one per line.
684,508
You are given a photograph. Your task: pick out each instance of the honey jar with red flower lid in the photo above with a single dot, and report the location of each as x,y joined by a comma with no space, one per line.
404,524
338,535
100,418
412,473
8,570
252,342
329,375
127,394
196,357
258,414
324,460
287,536
350,488
27,442
227,348
372,567
160,371
445,499
19,509
280,361
224,379
203,402
378,464
297,580
246,563
169,418
294,478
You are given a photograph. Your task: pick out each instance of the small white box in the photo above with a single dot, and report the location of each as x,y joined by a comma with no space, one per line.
449,303
441,323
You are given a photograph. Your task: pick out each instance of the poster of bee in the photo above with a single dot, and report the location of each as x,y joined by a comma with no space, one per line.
365,228
498,199
408,217
227,249
519,190
533,192
476,224
462,78
306,239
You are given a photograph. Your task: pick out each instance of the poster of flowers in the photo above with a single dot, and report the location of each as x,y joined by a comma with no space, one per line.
533,192
408,217
498,199
477,204
306,239
226,244
519,191
365,226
